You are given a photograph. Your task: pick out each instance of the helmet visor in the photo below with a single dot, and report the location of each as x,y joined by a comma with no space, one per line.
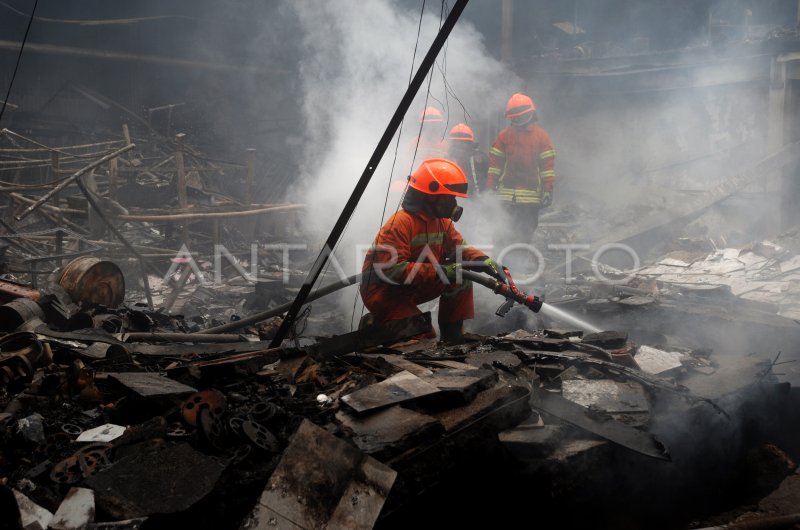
457,188
522,119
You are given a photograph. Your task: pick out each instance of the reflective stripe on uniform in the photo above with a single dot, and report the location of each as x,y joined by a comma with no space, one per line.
496,152
495,171
518,195
547,173
550,153
427,238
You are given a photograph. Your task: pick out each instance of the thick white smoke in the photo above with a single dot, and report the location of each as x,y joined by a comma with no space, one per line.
354,71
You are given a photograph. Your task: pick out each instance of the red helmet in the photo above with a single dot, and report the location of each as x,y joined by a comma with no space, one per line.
431,115
439,176
518,105
461,132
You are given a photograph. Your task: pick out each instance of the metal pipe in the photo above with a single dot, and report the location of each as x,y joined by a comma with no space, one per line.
424,67
197,338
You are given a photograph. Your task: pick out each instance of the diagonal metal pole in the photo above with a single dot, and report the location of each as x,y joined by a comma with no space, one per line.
143,264
383,144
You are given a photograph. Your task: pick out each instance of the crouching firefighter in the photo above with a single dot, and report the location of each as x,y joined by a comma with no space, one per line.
418,254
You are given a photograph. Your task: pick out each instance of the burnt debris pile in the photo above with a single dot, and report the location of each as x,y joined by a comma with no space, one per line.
119,416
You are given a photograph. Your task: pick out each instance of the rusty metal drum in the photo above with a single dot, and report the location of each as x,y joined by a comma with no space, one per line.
90,280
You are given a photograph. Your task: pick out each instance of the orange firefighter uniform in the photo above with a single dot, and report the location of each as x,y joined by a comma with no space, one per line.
421,243
463,150
402,269
431,143
522,165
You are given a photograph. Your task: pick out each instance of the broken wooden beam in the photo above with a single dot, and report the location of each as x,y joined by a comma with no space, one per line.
149,384
10,290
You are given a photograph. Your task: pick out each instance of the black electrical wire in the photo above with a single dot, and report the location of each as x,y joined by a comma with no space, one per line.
444,81
449,90
394,160
100,22
369,170
444,11
19,58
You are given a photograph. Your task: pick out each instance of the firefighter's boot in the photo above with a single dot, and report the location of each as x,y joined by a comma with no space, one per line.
452,332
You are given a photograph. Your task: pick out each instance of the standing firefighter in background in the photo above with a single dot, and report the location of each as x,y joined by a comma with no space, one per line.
463,150
414,258
430,143
522,168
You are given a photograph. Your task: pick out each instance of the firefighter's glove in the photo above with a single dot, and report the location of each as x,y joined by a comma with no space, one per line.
547,199
489,266
451,272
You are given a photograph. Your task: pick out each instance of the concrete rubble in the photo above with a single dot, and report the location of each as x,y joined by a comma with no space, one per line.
764,273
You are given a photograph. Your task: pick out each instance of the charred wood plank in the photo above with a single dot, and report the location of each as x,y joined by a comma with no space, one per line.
391,431
322,482
399,388
498,408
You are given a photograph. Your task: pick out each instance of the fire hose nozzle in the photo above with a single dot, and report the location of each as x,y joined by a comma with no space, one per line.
535,303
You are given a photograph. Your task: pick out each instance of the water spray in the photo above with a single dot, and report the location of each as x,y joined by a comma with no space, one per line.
509,290
514,295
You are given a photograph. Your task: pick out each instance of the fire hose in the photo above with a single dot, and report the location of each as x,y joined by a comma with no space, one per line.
508,290
259,317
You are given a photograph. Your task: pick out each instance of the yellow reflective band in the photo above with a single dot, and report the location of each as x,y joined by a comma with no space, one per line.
520,200
550,153
496,152
495,170
548,173
520,196
518,191
427,238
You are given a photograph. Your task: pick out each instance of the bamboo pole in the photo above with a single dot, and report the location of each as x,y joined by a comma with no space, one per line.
209,215
72,178
183,201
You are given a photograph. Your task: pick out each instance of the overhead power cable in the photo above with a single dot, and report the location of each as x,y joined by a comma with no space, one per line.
99,22
19,58
369,170
394,159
